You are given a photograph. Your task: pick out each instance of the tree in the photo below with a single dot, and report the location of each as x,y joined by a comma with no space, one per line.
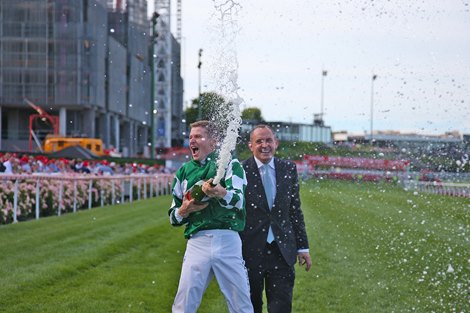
214,108
252,114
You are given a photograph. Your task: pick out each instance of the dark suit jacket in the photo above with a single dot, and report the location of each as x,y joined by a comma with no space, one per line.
286,217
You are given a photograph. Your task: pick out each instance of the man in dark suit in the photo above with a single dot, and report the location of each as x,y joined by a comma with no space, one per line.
274,235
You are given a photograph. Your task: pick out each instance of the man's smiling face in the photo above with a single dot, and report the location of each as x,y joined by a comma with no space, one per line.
263,144
200,143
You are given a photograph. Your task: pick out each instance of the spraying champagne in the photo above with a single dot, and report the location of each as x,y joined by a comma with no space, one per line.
230,140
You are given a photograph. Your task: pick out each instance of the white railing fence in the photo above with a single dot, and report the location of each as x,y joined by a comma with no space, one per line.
32,196
440,188
458,186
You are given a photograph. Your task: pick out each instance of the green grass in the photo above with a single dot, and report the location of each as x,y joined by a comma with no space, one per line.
375,248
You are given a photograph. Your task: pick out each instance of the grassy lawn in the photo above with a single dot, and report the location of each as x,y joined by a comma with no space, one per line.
375,248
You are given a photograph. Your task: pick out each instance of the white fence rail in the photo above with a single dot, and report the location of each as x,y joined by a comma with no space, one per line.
460,187
440,188
66,193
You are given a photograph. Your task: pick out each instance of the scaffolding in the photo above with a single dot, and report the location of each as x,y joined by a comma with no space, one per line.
57,54
163,60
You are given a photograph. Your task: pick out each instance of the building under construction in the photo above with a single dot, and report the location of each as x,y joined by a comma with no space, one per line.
86,62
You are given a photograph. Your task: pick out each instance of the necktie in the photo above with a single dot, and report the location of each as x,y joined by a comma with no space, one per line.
268,190
268,186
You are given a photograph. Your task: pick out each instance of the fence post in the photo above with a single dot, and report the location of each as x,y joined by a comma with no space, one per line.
61,192
90,185
157,186
74,196
163,185
113,190
130,190
37,198
15,203
122,191
139,182
151,187
145,188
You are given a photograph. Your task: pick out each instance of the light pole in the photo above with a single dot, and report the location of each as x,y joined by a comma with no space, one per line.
323,75
199,109
374,77
152,87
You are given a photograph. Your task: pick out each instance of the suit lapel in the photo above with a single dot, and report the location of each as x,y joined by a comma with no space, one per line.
259,189
279,177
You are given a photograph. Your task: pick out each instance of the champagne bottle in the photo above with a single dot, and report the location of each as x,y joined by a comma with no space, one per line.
196,193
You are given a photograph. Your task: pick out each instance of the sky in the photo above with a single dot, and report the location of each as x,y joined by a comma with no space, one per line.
419,50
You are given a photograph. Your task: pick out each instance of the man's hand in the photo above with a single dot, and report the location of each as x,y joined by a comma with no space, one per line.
216,191
304,259
189,206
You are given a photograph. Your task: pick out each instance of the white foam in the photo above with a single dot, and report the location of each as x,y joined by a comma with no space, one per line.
230,140
225,78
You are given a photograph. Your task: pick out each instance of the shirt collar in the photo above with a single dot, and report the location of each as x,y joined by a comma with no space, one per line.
270,164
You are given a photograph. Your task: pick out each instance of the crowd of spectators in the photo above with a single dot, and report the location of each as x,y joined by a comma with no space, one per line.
11,163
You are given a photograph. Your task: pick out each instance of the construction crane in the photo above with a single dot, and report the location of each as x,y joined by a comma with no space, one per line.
56,142
43,116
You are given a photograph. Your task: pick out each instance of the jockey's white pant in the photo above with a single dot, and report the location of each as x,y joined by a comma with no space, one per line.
213,252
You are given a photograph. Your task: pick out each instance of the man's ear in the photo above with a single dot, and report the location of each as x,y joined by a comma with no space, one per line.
250,146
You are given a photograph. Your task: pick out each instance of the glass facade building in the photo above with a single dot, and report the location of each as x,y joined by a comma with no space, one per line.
85,61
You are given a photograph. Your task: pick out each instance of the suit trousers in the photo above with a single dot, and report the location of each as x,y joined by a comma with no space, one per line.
209,253
277,277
